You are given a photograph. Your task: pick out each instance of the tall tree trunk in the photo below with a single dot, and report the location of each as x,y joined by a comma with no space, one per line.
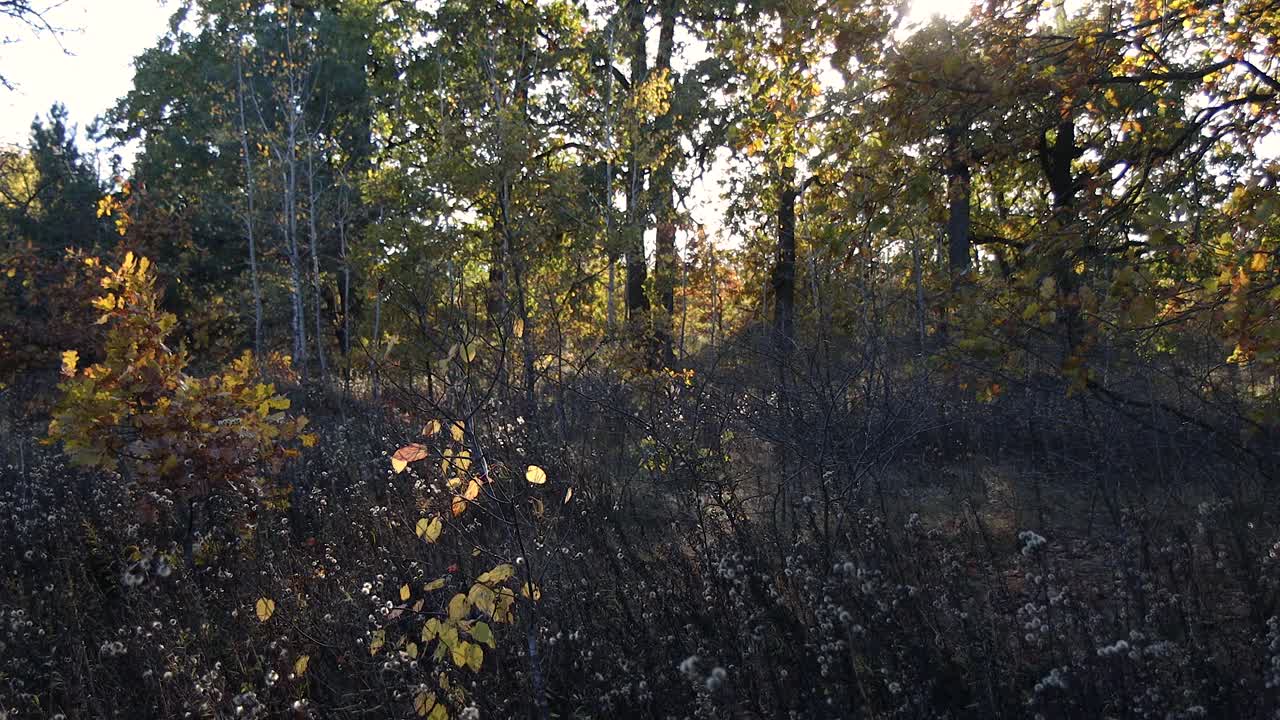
499,257
375,358
248,218
1056,159
665,262
313,238
346,291
663,191
289,178
637,302
611,313
784,267
917,271
959,205
289,169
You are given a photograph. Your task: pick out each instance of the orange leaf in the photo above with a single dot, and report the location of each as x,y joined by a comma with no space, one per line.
473,490
407,454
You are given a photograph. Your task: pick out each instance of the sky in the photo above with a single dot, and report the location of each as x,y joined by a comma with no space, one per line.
86,68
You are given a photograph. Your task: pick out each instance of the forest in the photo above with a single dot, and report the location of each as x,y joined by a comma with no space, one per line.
688,359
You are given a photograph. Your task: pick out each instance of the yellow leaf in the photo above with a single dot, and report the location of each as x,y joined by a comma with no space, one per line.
308,439
429,530
434,585
438,713
498,574
506,599
265,608
462,460
1257,264
518,327
379,639
458,506
475,657
405,592
412,650
535,595
430,630
423,702
448,639
431,428
473,490
69,360
458,431
458,607
460,652
300,665
535,475
482,598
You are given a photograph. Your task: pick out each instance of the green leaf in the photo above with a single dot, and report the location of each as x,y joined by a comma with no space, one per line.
482,633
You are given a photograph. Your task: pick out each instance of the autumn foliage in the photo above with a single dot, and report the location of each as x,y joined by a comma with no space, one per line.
703,359
174,437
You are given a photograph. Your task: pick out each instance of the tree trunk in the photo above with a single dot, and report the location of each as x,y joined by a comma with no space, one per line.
248,218
958,217
665,261
784,268
665,258
637,303
289,170
1056,159
375,358
917,270
346,298
607,205
288,177
313,237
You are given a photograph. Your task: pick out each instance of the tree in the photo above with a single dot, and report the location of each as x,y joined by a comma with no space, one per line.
180,441
62,212
258,148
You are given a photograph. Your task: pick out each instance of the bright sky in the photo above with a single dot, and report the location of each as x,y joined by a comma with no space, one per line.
923,10
96,67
